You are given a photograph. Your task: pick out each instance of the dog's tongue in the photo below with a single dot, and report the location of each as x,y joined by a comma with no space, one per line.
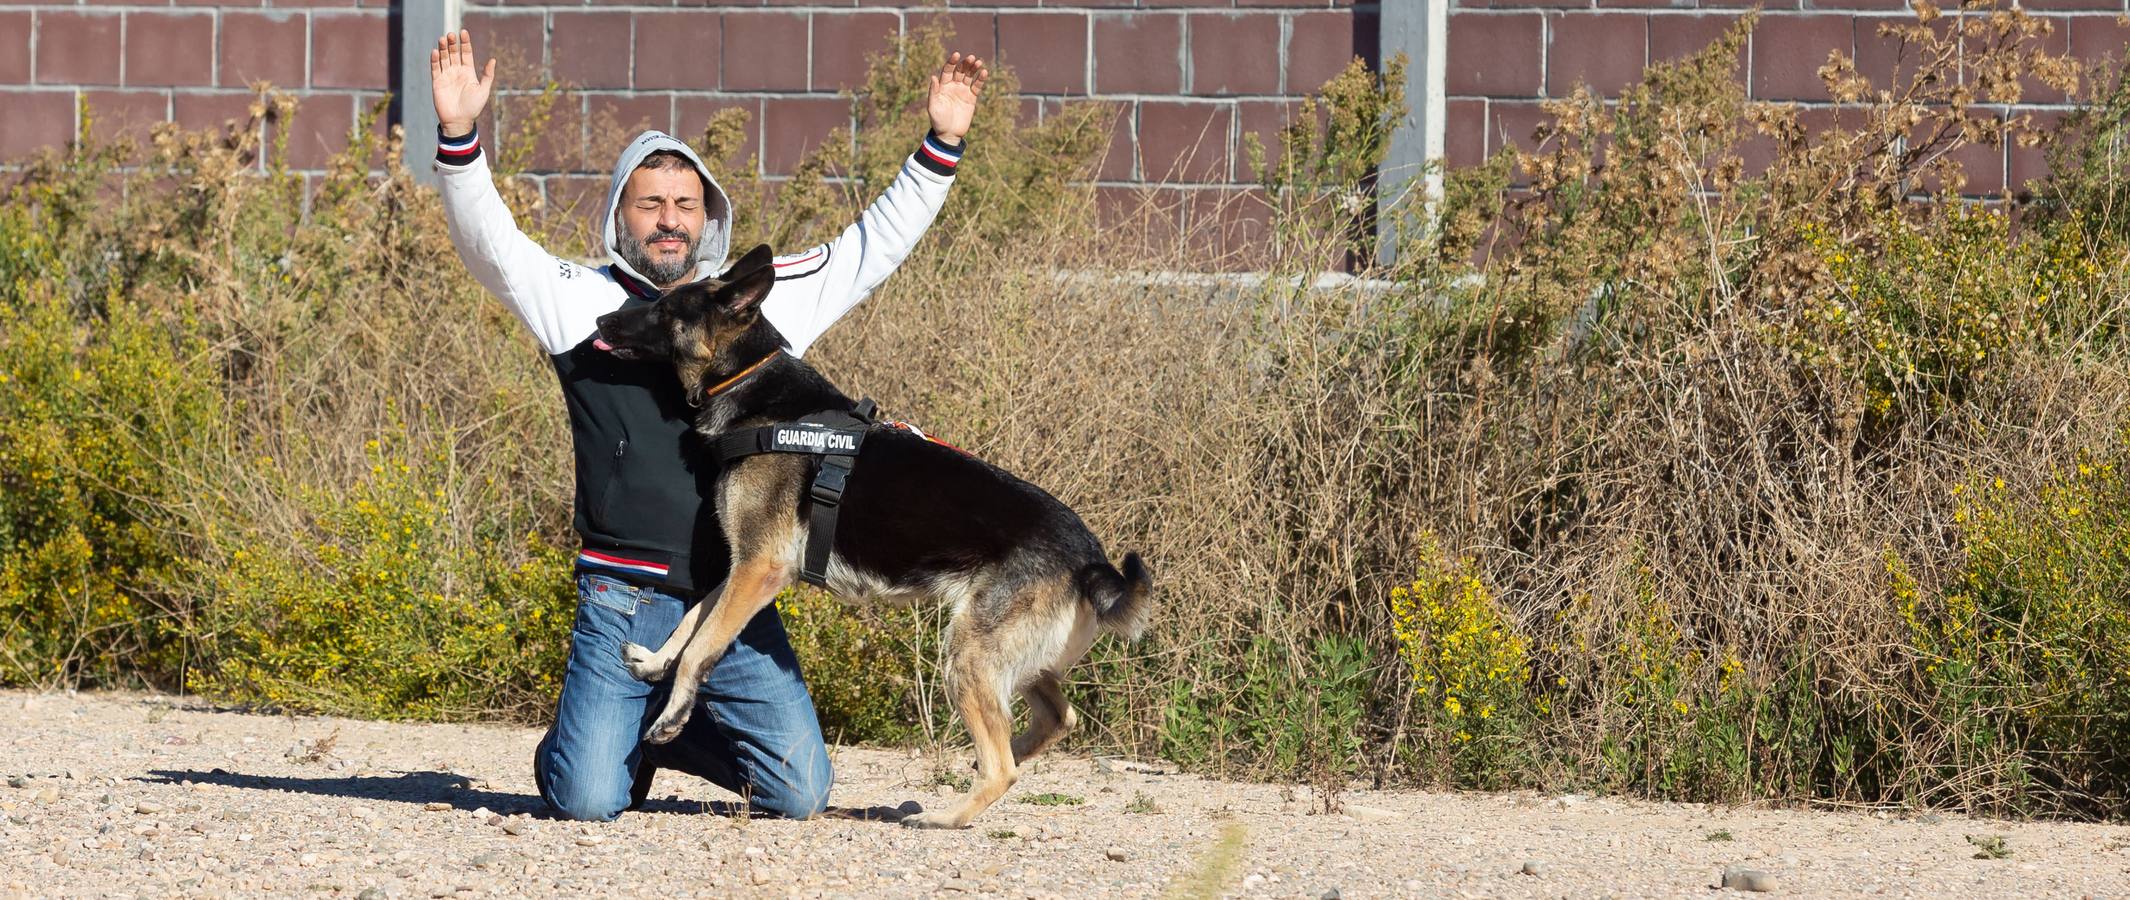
601,343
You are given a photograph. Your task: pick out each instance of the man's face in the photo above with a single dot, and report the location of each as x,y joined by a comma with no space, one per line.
661,222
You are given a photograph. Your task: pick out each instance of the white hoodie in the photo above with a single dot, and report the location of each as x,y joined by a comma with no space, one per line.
561,300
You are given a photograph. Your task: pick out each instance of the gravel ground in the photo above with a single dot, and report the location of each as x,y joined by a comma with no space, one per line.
136,795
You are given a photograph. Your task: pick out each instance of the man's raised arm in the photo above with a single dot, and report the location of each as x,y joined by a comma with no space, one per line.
816,286
510,265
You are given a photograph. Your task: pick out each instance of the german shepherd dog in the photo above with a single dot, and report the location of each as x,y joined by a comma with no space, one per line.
1028,583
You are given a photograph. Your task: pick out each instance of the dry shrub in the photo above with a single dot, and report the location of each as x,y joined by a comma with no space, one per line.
1678,415
323,352
1682,413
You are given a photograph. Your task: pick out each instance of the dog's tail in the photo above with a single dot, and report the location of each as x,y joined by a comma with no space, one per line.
1122,600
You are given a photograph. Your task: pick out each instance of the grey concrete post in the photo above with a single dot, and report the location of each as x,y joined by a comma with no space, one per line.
1420,30
421,22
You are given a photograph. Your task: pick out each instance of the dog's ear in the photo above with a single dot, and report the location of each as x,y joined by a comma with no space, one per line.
757,258
743,295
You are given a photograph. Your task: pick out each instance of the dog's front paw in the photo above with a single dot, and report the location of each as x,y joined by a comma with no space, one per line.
666,728
938,819
643,662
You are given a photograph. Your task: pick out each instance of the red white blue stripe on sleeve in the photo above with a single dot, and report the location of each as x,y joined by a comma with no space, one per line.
935,155
609,562
458,151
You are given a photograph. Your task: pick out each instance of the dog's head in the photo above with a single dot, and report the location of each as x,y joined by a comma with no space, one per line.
693,325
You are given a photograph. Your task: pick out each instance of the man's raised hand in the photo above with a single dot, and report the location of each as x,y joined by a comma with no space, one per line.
458,86
954,93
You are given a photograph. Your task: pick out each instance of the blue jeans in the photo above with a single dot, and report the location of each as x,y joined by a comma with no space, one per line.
753,731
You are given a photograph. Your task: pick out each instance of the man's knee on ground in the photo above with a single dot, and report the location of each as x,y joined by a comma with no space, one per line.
802,793
587,799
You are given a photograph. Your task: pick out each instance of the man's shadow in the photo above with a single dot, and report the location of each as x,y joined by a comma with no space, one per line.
458,790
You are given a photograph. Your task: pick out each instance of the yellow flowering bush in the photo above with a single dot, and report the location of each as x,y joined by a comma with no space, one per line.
103,406
1921,329
378,607
1469,666
2031,643
1669,713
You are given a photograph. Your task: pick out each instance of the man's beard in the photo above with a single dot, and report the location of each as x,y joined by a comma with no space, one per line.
638,256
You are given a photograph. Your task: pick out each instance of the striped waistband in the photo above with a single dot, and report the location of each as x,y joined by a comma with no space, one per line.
608,562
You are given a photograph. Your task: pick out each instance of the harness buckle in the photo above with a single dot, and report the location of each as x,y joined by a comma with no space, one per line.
829,481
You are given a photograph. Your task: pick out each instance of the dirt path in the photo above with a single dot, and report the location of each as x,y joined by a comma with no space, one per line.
126,794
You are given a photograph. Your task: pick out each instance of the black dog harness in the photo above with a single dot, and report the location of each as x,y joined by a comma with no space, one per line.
835,436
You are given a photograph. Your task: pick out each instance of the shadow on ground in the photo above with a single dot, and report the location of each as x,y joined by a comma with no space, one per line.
459,791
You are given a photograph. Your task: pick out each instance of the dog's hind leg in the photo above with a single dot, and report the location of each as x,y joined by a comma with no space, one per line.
982,702
1050,715
649,665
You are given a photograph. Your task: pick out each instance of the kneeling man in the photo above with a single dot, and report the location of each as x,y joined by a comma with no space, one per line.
650,543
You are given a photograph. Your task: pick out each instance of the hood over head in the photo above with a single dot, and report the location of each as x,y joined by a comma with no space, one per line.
716,238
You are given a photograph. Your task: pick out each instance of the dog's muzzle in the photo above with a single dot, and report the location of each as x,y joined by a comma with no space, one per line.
619,352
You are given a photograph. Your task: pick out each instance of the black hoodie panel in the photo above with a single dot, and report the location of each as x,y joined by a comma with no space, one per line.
642,481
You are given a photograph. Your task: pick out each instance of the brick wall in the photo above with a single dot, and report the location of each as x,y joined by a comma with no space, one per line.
138,63
1188,77
1505,56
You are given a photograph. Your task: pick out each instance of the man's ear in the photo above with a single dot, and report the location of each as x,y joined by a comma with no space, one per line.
757,258
745,294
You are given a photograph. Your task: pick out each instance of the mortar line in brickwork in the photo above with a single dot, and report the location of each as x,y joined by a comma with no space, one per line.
584,125
1811,105
1286,36
1486,130
1649,40
711,94
1089,66
307,20
1234,159
1545,52
1183,54
214,55
1748,51
1131,121
1189,186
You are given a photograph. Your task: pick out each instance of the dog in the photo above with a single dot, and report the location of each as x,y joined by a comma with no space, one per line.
1027,581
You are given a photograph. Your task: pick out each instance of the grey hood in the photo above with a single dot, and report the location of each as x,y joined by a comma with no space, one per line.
717,208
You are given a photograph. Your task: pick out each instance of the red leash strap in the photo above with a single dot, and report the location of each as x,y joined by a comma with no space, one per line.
905,426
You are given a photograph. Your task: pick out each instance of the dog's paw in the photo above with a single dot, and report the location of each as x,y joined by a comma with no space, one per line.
665,729
937,819
643,662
